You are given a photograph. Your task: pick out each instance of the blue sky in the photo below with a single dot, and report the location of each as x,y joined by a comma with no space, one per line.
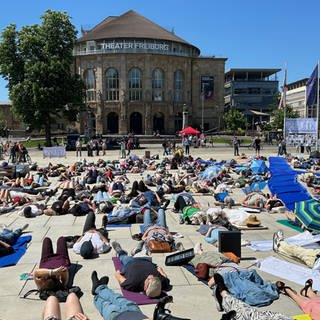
250,33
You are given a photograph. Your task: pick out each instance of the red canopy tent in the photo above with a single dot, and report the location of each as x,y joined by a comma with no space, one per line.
189,130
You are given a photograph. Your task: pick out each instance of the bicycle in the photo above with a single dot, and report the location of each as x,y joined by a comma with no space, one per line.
252,147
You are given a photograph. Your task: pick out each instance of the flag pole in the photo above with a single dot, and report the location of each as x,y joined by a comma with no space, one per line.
317,135
284,98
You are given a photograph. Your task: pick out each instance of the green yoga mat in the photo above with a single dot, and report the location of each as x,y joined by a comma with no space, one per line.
290,225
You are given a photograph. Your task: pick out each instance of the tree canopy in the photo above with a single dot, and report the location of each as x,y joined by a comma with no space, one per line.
37,62
278,116
234,120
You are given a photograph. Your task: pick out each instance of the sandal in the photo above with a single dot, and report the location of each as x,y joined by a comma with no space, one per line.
282,288
307,285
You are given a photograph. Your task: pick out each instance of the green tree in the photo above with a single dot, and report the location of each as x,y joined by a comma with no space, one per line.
234,120
278,116
37,63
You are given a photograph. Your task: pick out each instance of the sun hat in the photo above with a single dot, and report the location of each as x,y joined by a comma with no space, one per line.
252,221
86,250
153,288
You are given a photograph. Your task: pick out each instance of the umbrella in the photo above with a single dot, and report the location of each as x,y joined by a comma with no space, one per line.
258,166
308,213
189,130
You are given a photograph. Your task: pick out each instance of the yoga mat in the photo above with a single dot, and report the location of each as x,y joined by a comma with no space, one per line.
137,297
290,271
19,250
289,225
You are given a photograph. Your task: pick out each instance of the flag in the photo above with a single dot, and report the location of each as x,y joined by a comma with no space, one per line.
282,102
312,88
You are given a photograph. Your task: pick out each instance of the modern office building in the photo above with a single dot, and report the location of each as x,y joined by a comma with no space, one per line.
251,91
296,98
142,78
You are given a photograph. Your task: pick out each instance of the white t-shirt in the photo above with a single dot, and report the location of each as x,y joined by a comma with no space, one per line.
98,245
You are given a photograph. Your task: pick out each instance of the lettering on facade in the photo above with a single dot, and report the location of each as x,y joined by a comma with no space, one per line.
134,45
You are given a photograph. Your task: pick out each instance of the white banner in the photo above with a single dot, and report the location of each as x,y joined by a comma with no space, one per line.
301,126
54,152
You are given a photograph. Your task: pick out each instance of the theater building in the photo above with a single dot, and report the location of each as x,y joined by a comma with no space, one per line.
142,78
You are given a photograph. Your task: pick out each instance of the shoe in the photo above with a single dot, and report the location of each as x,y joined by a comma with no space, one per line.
96,282
198,248
316,265
282,288
307,285
181,221
137,249
277,238
25,227
104,221
165,206
117,248
179,246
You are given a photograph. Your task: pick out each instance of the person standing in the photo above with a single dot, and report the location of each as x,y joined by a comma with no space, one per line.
257,145
165,147
186,144
236,143
79,147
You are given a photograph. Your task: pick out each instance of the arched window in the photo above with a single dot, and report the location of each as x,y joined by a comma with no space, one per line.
135,85
90,81
112,84
157,85
178,86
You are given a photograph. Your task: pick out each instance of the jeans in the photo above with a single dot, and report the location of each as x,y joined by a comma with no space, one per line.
147,220
110,304
250,288
101,197
10,236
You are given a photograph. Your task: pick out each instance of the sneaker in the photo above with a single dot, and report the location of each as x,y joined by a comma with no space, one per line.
117,248
198,248
181,221
137,249
165,205
104,221
179,246
277,238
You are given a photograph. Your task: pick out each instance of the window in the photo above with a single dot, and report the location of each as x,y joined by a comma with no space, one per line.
90,81
178,86
135,85
157,85
112,84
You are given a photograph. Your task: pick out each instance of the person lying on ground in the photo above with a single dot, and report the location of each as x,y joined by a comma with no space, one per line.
93,241
255,200
140,274
53,271
237,309
273,202
243,284
309,257
308,301
8,238
74,311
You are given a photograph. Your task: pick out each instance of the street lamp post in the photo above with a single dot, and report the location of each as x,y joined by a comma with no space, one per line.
202,105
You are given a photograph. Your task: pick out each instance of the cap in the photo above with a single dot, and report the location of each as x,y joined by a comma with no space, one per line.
154,287
86,250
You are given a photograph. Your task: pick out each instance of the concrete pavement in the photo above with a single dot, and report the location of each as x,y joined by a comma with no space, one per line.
192,299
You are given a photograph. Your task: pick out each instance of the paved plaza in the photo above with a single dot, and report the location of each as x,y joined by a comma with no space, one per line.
192,299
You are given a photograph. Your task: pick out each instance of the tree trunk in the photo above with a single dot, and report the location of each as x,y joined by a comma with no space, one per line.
48,131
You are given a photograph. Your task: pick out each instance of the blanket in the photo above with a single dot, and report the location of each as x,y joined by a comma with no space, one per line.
19,250
137,297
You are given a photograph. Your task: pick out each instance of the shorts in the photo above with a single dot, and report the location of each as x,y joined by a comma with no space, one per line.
54,318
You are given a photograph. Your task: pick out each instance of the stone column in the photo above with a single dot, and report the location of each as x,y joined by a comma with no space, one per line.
99,114
147,120
185,115
123,117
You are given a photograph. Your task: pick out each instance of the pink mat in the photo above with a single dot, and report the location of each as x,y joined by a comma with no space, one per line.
137,297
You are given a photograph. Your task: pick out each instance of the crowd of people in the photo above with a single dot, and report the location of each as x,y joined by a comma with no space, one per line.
142,190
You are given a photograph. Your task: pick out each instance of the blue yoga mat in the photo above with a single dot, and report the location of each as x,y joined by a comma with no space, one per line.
19,250
120,225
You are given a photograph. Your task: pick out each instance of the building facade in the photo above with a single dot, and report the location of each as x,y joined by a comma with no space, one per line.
141,78
296,98
252,92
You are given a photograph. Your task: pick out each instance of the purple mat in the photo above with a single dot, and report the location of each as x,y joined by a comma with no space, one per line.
137,297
